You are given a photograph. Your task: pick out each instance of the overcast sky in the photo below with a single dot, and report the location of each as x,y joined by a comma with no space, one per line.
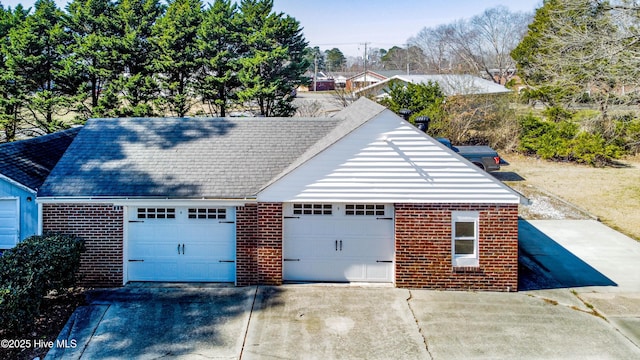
349,24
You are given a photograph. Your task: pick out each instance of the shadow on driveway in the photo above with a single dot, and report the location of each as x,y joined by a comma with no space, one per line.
545,264
159,321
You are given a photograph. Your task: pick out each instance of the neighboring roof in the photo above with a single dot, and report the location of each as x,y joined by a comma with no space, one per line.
375,74
450,84
219,158
30,161
391,73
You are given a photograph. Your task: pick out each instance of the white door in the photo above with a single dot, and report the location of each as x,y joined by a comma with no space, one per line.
181,244
9,223
338,242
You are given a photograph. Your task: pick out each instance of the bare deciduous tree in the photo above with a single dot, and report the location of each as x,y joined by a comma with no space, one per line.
587,50
480,45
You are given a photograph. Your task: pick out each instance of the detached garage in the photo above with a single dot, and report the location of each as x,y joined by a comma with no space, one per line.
359,197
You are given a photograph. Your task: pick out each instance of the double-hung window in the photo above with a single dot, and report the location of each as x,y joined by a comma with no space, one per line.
464,238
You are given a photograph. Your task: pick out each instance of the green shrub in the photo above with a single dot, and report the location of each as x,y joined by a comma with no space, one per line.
32,269
629,134
564,141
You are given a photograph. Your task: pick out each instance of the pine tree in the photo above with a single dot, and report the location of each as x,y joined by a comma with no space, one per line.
134,89
176,56
219,42
272,61
37,56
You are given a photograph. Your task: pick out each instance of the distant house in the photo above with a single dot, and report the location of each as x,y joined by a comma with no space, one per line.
319,82
362,196
24,166
450,84
368,78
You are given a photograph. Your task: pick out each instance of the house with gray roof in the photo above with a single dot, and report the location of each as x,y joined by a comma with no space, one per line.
24,165
450,84
362,196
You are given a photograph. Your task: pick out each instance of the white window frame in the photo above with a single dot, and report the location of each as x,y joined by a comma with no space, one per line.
465,259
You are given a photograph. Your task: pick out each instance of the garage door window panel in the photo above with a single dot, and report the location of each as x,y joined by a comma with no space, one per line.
312,209
364,209
464,229
207,213
156,213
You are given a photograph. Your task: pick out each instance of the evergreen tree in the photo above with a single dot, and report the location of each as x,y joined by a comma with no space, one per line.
177,57
135,88
94,47
11,93
272,62
315,57
37,56
219,42
335,59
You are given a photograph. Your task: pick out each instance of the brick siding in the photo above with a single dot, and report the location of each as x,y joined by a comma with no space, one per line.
246,245
422,240
270,243
423,248
100,226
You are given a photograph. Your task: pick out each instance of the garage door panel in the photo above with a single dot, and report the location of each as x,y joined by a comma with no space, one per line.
9,223
151,270
206,270
188,245
151,249
338,247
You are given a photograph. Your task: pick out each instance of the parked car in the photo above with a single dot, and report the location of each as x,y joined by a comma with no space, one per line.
482,156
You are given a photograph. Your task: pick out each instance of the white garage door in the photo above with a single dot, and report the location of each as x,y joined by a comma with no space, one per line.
181,244
338,242
9,223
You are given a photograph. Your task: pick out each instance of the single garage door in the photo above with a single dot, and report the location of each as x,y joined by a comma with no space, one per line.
9,223
181,244
338,242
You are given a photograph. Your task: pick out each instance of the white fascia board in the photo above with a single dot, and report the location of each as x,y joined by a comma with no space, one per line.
17,184
146,201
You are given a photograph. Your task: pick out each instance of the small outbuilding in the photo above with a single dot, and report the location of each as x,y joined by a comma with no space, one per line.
362,196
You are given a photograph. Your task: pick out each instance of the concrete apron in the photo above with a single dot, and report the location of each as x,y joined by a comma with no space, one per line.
333,322
588,262
149,321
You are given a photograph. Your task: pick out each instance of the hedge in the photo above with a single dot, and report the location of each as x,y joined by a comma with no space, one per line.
32,269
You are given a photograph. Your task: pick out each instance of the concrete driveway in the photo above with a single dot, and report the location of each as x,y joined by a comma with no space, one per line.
559,315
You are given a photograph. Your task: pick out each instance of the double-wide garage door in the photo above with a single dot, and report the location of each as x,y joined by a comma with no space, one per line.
181,244
338,242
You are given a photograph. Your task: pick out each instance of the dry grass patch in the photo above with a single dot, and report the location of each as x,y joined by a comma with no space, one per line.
612,193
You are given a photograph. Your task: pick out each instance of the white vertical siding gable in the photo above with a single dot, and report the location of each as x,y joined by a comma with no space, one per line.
388,160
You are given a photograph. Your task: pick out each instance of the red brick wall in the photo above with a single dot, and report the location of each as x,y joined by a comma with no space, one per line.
246,244
100,226
270,243
423,248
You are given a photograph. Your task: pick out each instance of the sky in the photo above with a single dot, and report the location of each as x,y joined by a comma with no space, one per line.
349,24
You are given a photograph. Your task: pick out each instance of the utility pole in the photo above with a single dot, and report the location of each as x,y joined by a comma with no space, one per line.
365,64
315,73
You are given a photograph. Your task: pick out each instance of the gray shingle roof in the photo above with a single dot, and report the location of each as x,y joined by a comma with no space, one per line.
450,84
218,158
30,161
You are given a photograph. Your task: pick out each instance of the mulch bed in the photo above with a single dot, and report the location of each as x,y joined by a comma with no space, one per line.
54,313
